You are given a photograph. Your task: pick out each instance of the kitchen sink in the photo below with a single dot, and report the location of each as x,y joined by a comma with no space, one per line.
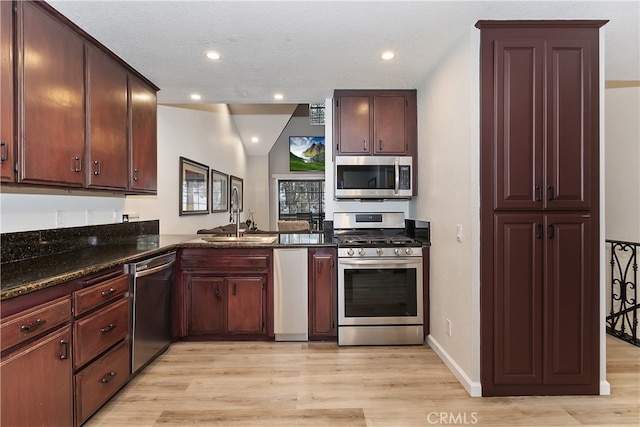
262,239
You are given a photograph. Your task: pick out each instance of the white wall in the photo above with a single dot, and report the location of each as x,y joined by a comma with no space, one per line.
278,161
206,137
256,194
448,155
622,164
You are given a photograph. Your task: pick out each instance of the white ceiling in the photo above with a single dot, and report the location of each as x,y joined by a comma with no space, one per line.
306,49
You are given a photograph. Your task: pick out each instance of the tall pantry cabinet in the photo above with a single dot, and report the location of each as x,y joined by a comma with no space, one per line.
539,167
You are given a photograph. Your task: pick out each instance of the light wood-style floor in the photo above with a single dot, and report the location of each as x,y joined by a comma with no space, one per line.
321,384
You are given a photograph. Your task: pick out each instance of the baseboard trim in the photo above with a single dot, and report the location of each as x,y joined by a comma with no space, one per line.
473,388
605,388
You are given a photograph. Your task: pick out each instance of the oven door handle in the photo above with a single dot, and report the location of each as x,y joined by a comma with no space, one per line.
400,263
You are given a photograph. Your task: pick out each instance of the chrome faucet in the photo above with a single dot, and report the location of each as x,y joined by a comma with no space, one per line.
235,195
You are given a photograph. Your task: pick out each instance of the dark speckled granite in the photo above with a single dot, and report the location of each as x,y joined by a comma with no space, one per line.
93,249
36,244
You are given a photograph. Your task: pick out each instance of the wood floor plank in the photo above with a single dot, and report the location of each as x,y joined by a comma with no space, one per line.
320,384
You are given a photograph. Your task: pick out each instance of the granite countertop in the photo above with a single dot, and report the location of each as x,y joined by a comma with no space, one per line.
22,277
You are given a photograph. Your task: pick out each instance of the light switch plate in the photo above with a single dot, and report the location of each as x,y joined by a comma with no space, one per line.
459,232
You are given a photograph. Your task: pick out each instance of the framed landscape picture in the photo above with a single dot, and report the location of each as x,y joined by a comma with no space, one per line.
306,153
219,191
194,187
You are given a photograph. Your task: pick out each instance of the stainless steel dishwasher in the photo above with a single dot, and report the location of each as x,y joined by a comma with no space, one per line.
151,283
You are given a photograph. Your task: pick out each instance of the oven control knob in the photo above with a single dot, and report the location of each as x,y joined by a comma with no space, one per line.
379,251
362,251
396,251
350,251
409,251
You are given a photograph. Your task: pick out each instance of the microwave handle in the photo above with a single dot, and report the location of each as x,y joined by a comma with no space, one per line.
397,175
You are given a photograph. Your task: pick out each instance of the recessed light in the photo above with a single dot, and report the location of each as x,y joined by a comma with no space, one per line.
278,97
388,55
196,97
213,55
254,139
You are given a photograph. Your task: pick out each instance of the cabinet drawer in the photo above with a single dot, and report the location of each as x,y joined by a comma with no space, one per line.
100,330
22,326
100,380
240,262
96,295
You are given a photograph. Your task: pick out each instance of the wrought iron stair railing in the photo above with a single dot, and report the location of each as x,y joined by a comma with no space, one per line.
623,307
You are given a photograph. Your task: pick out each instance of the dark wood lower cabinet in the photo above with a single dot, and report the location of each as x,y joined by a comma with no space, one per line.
226,305
224,293
36,387
323,299
101,380
208,309
544,305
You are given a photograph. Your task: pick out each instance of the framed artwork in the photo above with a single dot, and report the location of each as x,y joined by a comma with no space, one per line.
219,191
306,153
194,187
235,183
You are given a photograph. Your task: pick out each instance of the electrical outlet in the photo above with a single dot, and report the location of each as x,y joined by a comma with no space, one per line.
459,232
89,217
448,327
59,219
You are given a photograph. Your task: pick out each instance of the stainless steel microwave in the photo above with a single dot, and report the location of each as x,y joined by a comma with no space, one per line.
373,177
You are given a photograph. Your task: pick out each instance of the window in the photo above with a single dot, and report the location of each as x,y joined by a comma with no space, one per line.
301,200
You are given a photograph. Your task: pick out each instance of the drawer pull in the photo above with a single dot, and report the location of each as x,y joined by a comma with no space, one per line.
33,325
108,328
108,377
108,292
65,352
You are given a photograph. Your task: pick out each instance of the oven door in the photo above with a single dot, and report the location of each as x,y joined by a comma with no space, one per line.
380,291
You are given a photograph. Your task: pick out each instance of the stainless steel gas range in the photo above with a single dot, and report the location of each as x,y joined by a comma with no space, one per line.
380,286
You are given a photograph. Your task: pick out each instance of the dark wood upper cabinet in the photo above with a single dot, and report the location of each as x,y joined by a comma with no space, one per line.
7,139
50,99
81,117
375,122
143,139
539,190
545,142
107,157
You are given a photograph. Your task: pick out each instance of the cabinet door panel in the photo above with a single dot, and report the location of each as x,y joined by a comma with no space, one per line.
36,386
322,293
518,299
7,160
144,159
354,131
570,142
51,84
389,124
106,122
570,292
245,304
518,128
207,305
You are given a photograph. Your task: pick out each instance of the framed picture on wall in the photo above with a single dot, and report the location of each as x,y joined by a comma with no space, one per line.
219,191
194,187
235,182
306,153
